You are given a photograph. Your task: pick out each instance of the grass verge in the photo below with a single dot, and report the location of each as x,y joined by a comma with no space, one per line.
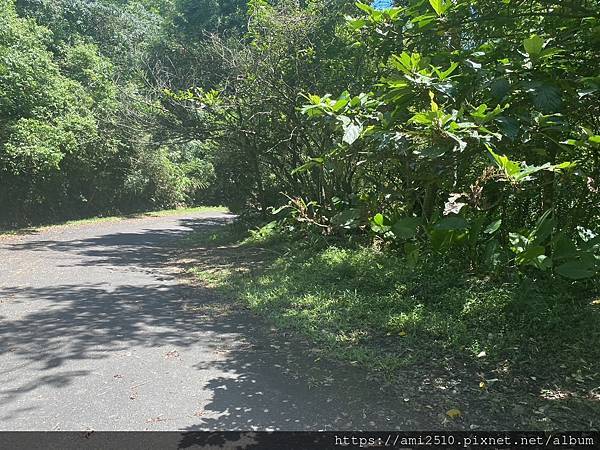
523,348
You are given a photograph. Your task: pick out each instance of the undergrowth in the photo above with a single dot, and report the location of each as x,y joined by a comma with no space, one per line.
369,307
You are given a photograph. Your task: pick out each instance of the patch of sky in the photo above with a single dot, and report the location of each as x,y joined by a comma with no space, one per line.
382,4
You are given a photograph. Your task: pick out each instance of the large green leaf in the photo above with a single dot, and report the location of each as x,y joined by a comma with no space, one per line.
355,24
576,270
314,162
563,248
510,168
366,8
531,254
446,73
509,126
341,102
546,97
543,227
452,223
440,6
346,219
380,224
412,252
534,46
594,139
517,172
406,227
493,227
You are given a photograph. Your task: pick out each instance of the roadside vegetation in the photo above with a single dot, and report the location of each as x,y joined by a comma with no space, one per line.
517,351
468,129
424,174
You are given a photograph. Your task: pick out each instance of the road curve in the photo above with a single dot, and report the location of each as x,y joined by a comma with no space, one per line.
98,332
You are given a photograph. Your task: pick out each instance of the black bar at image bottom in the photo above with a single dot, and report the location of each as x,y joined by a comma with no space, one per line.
291,440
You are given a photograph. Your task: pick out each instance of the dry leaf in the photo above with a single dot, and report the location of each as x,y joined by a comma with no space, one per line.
453,206
454,413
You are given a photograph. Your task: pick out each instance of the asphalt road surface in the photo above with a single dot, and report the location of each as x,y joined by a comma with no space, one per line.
98,332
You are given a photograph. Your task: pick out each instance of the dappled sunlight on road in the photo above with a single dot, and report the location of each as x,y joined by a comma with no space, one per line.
99,332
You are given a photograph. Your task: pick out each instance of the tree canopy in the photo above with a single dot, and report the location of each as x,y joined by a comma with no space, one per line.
447,127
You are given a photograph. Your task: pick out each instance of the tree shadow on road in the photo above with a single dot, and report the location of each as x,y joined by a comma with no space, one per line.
148,247
255,379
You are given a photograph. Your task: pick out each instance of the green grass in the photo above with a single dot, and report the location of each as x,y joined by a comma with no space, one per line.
100,219
368,307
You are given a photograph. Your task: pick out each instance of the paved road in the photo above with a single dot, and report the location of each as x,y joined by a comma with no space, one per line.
98,332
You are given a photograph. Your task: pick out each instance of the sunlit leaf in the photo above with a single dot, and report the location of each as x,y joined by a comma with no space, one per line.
352,132
440,6
533,45
454,413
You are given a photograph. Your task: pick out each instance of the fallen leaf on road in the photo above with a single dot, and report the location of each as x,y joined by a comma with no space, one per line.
454,413
172,354
155,420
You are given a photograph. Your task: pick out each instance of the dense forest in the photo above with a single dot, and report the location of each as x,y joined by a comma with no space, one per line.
468,127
